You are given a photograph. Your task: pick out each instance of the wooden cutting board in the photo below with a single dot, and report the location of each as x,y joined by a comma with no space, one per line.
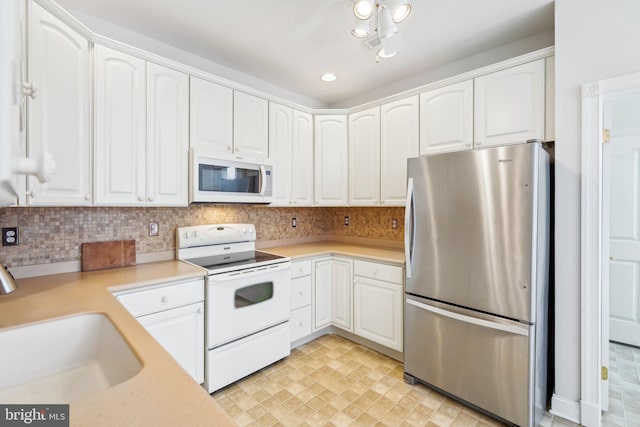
103,255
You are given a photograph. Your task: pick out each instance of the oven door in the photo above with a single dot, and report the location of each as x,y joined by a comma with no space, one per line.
244,302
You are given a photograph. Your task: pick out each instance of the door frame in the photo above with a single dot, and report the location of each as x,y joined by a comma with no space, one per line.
592,311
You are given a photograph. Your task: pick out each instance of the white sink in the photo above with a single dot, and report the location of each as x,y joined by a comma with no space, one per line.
63,360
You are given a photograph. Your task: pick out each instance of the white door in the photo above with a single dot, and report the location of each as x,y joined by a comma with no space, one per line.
341,293
622,119
211,116
364,158
322,280
280,152
446,119
120,128
181,332
331,160
509,105
302,166
250,126
399,141
167,136
59,114
377,311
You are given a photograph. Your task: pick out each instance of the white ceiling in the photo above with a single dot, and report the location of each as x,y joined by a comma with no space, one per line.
290,43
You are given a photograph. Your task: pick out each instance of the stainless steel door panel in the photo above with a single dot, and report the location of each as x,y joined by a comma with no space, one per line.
471,216
486,365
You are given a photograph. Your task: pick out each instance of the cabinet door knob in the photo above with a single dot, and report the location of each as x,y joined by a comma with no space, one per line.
164,299
87,197
478,143
300,293
30,89
300,324
151,198
140,199
375,272
228,148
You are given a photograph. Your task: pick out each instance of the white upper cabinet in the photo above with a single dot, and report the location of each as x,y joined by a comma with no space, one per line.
331,160
250,126
141,132
446,119
364,158
281,152
120,128
291,154
167,136
211,116
302,167
59,113
398,142
509,105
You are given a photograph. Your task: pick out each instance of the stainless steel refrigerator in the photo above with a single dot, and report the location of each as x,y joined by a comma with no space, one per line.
477,245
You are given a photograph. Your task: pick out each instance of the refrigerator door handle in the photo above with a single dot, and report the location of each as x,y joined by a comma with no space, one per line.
409,231
472,320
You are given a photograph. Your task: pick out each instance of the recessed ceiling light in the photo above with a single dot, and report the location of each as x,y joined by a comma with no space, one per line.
328,77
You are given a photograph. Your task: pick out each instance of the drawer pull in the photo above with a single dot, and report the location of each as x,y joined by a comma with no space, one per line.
375,272
164,299
300,324
300,293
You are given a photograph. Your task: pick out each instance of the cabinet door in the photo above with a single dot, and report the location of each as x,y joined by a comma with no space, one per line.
364,158
167,136
250,125
181,332
398,142
322,280
378,311
341,293
331,160
211,116
302,166
509,105
280,152
120,128
446,119
59,114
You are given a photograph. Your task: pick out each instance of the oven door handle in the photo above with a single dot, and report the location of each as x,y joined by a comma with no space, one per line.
251,272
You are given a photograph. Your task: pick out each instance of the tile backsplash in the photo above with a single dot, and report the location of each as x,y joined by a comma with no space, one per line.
48,235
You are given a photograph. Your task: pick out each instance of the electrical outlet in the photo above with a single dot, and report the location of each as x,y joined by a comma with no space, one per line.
294,222
154,229
9,236
394,223
346,220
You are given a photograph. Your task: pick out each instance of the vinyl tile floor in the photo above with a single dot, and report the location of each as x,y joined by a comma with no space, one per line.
332,381
624,387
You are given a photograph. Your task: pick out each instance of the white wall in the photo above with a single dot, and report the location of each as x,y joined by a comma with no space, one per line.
594,39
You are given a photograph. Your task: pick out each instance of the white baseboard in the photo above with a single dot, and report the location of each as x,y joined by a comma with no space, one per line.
590,414
565,408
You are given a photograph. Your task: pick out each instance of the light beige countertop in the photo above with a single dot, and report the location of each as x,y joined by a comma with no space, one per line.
161,394
314,249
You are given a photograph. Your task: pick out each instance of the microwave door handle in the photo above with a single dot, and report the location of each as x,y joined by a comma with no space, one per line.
263,180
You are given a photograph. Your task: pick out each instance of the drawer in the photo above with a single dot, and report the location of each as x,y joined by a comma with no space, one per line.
300,323
162,298
300,292
300,268
374,270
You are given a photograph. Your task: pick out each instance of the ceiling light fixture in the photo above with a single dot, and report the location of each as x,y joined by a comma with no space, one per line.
381,16
328,77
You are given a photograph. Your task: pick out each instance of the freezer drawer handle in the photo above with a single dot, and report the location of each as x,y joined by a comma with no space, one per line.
472,320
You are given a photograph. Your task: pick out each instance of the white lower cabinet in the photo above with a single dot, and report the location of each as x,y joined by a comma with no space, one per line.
173,314
361,297
377,303
180,331
332,293
300,299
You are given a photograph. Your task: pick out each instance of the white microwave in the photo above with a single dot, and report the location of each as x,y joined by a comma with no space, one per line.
219,178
